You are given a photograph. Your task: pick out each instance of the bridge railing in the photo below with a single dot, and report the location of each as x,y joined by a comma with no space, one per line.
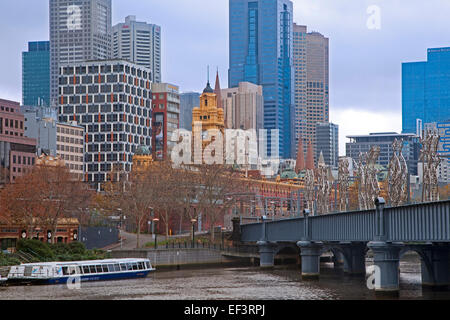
349,226
419,223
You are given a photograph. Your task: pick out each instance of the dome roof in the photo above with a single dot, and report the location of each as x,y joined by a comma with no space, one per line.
143,151
208,89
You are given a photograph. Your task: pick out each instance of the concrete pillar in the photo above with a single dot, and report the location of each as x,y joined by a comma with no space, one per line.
386,262
355,258
436,267
267,251
310,253
338,259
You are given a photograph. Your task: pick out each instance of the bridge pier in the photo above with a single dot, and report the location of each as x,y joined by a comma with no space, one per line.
387,262
436,267
267,251
354,256
310,253
338,259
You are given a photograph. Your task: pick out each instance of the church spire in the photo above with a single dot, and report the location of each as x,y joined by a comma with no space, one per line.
310,157
300,164
217,91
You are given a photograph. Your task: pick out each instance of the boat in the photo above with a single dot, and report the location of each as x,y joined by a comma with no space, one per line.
94,270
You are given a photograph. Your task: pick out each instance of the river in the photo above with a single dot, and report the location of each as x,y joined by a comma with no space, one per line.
247,283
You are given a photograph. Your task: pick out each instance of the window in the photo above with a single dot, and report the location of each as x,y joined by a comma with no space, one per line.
110,268
92,269
135,266
123,267
105,268
116,267
99,268
147,264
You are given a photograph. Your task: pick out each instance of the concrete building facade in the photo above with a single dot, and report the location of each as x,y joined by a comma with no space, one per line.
112,101
140,43
243,107
311,64
79,31
166,118
70,147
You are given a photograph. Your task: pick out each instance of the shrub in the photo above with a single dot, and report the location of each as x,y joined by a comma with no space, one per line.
36,248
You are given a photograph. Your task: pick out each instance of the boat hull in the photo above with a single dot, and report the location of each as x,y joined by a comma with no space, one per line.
82,278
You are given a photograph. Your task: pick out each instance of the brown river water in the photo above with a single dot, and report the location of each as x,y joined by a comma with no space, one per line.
246,283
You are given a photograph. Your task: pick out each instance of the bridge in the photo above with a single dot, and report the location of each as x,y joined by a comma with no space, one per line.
388,232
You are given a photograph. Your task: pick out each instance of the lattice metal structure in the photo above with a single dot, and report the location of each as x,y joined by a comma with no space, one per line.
398,176
310,186
367,178
344,177
325,185
431,161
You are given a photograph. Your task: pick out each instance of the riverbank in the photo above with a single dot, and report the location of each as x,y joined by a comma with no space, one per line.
29,251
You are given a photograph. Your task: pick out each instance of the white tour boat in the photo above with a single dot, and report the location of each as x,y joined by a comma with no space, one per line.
94,270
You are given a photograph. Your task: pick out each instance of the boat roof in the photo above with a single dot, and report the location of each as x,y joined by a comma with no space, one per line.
87,262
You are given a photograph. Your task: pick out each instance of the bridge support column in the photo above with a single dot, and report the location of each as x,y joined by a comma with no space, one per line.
386,262
436,267
354,258
267,251
338,259
310,253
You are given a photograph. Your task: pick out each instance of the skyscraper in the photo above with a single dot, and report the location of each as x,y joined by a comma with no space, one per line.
311,63
36,74
140,43
188,101
243,107
261,42
79,31
425,90
327,143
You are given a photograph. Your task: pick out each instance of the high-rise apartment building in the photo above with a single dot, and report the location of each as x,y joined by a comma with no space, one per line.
243,107
327,143
36,74
140,43
188,101
261,44
112,101
40,124
311,64
17,152
79,31
425,90
166,118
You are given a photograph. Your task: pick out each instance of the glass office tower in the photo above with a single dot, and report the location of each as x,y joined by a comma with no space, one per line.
426,90
36,74
261,42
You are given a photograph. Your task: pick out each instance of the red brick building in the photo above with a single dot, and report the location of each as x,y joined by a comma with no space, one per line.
17,152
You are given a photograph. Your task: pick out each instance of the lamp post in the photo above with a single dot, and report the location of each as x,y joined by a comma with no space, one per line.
193,221
155,220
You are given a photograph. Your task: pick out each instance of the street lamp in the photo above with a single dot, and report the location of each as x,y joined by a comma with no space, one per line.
156,233
193,221
223,240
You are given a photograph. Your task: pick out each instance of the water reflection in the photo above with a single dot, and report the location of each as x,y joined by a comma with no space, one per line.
282,283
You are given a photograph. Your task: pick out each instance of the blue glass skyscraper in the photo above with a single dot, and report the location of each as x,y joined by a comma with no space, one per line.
36,74
426,90
261,44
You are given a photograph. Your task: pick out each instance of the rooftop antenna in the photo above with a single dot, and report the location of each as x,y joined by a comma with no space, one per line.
208,74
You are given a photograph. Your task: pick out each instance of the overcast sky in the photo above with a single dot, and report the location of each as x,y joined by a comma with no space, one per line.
365,64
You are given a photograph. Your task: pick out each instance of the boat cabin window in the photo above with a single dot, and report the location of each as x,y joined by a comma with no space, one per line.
105,268
86,269
147,264
123,267
129,266
116,267
110,268
99,269
92,268
135,266
65,271
141,266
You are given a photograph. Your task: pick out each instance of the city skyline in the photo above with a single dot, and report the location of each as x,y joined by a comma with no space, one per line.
365,64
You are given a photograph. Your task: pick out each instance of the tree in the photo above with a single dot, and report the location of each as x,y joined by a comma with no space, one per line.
44,196
217,183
